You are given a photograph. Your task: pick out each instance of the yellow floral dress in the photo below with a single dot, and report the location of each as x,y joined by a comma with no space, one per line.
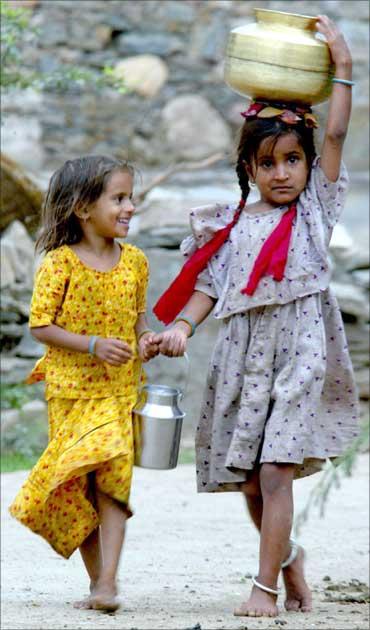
90,403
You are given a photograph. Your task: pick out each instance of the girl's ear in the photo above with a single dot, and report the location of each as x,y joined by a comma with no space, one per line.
81,213
250,173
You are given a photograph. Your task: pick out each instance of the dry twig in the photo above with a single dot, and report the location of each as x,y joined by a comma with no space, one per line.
181,166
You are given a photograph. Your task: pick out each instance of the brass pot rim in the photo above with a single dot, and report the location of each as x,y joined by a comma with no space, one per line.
311,19
299,15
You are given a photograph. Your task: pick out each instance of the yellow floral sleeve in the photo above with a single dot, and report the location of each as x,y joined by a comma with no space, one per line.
142,283
51,282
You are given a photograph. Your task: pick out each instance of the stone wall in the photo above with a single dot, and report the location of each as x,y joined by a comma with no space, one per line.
180,106
179,110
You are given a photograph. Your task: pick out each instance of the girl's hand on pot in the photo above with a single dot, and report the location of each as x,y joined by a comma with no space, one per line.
113,351
339,50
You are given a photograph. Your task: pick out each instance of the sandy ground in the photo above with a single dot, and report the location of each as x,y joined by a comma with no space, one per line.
188,560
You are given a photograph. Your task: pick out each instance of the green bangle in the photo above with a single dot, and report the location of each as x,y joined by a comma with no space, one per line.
344,81
189,321
144,332
92,344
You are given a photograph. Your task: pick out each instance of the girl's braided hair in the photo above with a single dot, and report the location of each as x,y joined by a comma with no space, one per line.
255,131
76,185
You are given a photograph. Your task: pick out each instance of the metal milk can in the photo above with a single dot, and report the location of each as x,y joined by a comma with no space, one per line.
159,418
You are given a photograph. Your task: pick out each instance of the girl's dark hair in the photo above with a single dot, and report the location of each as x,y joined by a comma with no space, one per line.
76,185
255,131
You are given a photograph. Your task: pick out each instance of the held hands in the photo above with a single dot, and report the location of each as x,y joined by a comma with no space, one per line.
147,347
113,351
339,50
172,342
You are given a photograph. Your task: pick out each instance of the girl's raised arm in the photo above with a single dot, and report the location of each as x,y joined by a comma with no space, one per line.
340,100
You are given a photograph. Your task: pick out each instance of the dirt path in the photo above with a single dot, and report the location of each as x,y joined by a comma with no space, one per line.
188,561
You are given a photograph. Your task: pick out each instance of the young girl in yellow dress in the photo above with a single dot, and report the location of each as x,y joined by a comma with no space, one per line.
88,308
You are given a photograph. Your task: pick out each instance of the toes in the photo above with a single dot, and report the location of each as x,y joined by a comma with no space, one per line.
254,612
84,605
244,612
297,605
273,613
240,612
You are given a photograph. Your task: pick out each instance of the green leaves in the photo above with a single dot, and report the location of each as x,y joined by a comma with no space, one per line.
16,73
332,475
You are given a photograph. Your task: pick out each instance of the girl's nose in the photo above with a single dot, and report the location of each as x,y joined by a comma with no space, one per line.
129,206
280,172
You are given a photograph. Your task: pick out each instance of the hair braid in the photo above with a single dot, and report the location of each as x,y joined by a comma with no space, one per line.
243,178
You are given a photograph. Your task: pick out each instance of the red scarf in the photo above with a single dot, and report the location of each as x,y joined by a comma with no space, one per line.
270,260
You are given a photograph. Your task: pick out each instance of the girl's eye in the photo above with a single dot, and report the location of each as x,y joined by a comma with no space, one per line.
266,164
293,159
120,198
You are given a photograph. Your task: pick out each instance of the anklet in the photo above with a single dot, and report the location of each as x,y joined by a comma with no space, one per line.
293,554
267,589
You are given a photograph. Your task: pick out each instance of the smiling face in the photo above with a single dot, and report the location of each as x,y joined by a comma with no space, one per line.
110,215
280,171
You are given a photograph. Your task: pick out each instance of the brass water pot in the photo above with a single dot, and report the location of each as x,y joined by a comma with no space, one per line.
278,58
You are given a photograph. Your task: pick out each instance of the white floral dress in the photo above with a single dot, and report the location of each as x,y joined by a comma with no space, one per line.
280,385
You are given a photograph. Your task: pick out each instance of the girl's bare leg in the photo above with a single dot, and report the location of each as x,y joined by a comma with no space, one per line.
91,556
276,486
112,531
298,595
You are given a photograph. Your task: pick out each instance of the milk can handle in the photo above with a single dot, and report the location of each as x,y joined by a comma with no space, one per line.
186,357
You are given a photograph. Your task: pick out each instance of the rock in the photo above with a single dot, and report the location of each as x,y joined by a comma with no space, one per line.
137,43
96,40
163,220
11,305
352,300
28,346
21,135
145,74
18,248
9,418
193,129
176,16
345,250
356,335
8,317
209,43
363,383
355,217
361,277
34,410
7,267
12,330
15,370
341,243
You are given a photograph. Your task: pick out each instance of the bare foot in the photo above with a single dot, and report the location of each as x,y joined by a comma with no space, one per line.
85,604
259,604
298,595
104,598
